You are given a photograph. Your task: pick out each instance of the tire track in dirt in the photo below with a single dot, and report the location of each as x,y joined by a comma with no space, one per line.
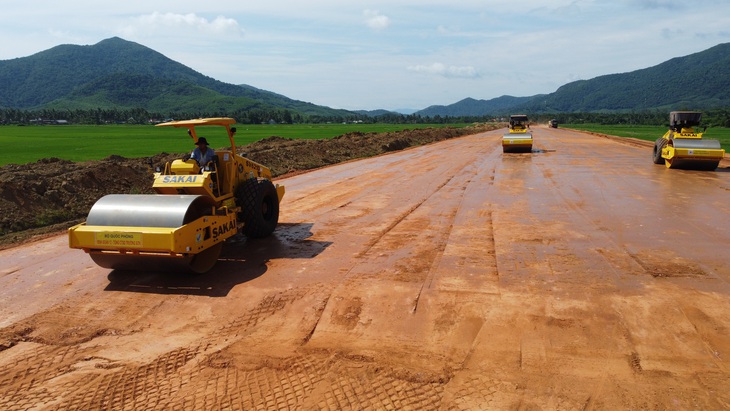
90,382
400,219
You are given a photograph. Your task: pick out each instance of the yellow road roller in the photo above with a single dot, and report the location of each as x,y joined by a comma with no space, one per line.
195,209
683,147
517,139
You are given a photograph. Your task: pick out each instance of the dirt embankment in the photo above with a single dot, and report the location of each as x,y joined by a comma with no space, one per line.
52,194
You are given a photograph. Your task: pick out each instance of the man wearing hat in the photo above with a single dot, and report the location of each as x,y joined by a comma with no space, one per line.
203,154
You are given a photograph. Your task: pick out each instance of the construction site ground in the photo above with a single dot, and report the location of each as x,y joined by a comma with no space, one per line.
448,276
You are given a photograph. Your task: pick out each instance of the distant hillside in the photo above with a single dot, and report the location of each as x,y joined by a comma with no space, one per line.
123,74
472,107
697,81
375,113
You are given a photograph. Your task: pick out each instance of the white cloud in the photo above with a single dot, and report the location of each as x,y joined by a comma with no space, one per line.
440,69
174,23
375,20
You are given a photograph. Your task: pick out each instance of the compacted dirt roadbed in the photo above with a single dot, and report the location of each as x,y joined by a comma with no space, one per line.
449,276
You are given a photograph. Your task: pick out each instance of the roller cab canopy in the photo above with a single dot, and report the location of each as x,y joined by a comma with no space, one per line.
213,121
679,119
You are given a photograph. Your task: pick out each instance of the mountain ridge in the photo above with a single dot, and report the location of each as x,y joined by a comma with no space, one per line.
74,76
697,81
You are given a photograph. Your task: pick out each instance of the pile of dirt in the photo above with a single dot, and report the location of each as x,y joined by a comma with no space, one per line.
52,194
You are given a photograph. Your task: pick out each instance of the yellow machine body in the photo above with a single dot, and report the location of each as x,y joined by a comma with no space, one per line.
188,238
518,138
684,147
195,210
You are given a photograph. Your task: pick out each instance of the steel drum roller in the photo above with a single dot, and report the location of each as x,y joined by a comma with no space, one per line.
147,210
695,163
696,144
140,210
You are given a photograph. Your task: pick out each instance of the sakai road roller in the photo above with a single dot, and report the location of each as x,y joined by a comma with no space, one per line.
184,225
683,147
517,139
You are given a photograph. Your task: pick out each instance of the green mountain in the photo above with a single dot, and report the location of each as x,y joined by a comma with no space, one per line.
472,107
697,81
116,73
375,113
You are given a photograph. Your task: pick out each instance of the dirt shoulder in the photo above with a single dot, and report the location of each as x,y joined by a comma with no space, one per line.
42,198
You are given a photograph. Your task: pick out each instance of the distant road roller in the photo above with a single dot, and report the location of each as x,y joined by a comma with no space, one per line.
184,225
517,139
683,147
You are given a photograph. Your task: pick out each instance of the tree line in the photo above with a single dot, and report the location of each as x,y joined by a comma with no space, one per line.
101,116
719,117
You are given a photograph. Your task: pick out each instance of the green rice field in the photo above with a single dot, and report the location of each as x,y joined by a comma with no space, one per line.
26,144
649,133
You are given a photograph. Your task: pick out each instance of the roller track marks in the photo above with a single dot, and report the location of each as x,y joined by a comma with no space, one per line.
378,389
22,380
72,377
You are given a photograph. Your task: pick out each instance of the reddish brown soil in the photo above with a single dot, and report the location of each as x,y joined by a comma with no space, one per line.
450,276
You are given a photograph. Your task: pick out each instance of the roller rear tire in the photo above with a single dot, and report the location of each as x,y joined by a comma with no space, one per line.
259,207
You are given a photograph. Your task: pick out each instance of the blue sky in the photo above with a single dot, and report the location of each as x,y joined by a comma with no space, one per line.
393,54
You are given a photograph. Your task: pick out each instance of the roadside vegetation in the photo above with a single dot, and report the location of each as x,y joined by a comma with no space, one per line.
716,117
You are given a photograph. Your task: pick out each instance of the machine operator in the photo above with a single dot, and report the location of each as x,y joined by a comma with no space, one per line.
202,153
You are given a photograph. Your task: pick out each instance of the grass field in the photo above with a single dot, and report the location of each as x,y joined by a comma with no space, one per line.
649,133
80,143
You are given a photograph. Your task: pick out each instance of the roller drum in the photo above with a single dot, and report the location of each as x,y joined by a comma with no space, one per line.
147,210
516,136
691,164
517,142
696,163
696,144
168,211
198,263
